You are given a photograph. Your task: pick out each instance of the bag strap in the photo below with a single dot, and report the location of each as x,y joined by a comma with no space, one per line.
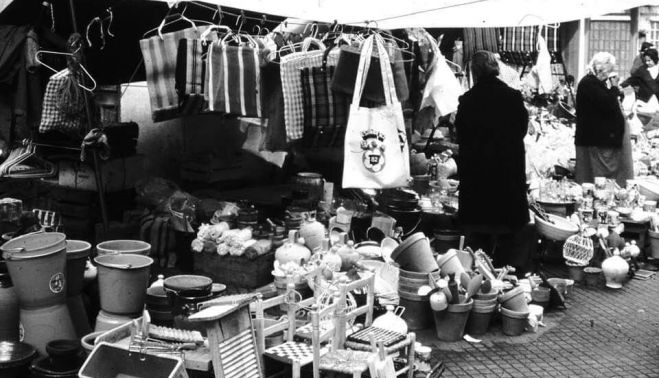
312,41
362,70
386,72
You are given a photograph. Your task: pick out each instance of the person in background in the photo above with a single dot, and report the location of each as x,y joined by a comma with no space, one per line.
638,62
603,147
491,123
646,78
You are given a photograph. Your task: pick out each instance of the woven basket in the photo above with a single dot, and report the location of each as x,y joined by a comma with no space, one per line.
560,230
578,249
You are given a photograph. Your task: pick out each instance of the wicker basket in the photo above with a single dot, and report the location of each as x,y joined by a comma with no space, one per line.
560,230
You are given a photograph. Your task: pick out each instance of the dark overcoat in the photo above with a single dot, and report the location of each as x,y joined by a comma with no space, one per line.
491,124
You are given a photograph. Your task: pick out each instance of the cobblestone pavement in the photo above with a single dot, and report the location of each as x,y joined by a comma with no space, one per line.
603,333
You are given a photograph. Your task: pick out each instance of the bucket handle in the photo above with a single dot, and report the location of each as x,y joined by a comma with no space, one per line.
11,251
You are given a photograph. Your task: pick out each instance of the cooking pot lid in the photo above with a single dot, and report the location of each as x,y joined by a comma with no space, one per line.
15,354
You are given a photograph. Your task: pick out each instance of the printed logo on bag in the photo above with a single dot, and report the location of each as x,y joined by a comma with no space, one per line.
57,283
373,146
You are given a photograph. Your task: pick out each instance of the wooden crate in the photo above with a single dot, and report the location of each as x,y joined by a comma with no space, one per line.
235,271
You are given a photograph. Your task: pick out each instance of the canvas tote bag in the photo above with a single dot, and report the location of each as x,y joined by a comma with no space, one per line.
376,154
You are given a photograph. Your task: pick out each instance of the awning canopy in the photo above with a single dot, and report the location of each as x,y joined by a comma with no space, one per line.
435,13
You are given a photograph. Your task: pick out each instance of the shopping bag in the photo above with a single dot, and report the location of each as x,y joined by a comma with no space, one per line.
159,54
234,77
325,112
53,116
191,73
376,154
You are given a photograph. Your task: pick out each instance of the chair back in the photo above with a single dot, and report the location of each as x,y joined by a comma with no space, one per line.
317,314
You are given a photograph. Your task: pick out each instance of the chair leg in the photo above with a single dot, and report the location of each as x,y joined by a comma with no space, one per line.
410,355
295,369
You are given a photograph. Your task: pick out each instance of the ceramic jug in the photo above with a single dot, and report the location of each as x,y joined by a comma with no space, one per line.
615,270
392,320
292,250
313,232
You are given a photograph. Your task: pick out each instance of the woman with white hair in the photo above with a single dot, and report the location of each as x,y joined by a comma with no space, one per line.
602,141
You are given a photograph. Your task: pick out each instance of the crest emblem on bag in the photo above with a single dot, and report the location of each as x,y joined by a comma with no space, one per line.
373,147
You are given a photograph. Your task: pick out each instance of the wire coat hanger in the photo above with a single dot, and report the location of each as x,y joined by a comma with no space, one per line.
36,58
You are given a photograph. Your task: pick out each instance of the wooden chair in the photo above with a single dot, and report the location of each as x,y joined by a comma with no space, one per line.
353,360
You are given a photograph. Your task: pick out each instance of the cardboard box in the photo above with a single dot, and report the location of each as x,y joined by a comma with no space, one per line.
118,174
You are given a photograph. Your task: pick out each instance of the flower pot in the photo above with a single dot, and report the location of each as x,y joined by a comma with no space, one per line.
540,296
415,254
37,266
514,300
450,263
122,282
417,310
576,273
592,277
479,319
136,247
654,243
485,303
487,296
513,323
450,323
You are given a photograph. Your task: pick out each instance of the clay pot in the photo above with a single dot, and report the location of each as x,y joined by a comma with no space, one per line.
615,270
513,322
415,254
313,233
514,300
450,323
449,263
292,250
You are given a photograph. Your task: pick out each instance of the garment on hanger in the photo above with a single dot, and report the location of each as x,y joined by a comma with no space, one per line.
476,39
273,109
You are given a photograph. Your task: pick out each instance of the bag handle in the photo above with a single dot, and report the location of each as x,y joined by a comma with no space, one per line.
312,41
385,70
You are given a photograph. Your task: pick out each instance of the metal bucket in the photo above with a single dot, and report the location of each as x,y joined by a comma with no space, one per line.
122,282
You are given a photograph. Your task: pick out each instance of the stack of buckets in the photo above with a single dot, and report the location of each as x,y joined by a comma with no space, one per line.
77,253
123,277
417,267
37,265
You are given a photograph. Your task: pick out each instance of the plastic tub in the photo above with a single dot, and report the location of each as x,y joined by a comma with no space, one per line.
136,247
122,282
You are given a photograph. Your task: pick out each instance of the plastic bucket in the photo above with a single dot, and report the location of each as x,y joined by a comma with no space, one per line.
479,319
42,325
77,252
136,247
37,266
513,322
450,263
87,342
415,254
540,296
450,323
514,300
122,282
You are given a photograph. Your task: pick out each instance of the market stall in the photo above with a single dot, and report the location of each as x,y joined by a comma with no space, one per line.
345,247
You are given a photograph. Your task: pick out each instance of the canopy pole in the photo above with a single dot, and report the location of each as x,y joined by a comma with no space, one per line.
97,164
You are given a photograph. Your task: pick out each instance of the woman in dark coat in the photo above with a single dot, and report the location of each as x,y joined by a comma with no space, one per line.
491,124
646,78
603,146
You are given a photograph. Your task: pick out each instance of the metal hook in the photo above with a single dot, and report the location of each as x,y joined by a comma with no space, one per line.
218,12
111,16
314,30
89,25
258,29
241,19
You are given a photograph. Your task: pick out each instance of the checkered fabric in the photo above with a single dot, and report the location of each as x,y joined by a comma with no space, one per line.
292,86
238,355
292,351
325,112
52,118
525,38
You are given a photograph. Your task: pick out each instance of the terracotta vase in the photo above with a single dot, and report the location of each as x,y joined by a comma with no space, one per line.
313,233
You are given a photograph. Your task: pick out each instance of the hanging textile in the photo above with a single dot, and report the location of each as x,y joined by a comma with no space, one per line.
53,115
376,154
234,78
542,69
325,112
442,88
160,54
291,80
519,44
191,74
476,39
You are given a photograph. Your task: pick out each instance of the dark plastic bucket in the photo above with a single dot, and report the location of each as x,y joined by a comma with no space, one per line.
450,323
